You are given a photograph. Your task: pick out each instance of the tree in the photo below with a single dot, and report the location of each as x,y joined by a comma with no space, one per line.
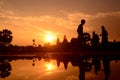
5,37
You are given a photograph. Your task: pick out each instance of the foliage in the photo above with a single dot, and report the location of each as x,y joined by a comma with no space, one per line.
5,37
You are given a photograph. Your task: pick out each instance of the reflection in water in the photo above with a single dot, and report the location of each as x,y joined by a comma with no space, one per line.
84,63
5,68
50,66
106,64
96,63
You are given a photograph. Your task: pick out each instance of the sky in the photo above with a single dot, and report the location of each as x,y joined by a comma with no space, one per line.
34,19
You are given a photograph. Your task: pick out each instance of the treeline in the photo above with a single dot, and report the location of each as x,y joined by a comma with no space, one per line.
64,46
59,47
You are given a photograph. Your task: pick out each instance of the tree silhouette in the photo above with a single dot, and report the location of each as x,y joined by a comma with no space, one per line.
5,37
5,68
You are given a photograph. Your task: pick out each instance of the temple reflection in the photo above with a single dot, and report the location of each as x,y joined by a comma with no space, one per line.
85,63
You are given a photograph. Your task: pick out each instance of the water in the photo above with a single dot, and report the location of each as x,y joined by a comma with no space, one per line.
59,67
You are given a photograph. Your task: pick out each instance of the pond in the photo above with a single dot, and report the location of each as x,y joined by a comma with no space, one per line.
59,67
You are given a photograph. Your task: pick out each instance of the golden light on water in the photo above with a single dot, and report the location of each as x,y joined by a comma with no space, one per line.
50,66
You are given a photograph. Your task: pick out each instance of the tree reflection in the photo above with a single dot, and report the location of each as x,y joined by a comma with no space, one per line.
5,68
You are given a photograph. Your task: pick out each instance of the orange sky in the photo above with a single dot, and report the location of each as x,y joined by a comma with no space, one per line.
32,19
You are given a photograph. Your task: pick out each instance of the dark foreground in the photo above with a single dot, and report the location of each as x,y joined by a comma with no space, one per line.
98,63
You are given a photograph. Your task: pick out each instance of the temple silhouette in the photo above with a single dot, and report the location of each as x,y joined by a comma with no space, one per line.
83,43
83,51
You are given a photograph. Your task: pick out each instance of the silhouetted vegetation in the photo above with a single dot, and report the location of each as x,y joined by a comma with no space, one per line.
83,43
5,37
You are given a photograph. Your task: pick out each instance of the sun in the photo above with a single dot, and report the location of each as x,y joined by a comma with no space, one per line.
50,37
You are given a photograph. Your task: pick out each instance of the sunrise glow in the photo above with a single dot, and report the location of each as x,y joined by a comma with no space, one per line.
50,37
43,19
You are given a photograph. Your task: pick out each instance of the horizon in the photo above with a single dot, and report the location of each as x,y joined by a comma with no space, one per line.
29,19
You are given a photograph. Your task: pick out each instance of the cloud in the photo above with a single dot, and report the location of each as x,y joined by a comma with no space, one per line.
4,12
60,25
78,15
94,22
110,20
35,26
108,14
